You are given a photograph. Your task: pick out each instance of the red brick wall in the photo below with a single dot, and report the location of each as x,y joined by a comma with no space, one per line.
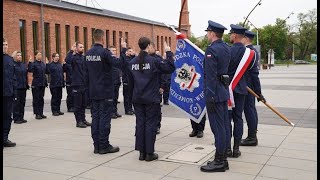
13,11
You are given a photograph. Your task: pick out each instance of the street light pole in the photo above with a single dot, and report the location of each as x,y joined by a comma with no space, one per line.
257,32
259,3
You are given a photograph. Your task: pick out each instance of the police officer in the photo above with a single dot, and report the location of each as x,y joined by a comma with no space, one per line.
39,83
21,86
67,68
144,80
56,83
216,62
8,91
166,80
98,79
240,91
116,84
127,96
253,82
78,86
197,128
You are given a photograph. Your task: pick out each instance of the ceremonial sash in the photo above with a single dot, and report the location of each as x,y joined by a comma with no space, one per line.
241,69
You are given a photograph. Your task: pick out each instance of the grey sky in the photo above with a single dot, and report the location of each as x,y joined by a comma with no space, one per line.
225,12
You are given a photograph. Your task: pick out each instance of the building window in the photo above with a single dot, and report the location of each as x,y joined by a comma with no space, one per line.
68,47
23,41
35,35
166,40
170,41
107,38
161,50
58,38
92,30
47,39
76,33
158,43
114,38
127,38
85,39
120,36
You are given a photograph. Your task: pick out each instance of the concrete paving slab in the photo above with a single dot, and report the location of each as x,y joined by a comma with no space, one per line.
11,173
286,173
293,163
297,154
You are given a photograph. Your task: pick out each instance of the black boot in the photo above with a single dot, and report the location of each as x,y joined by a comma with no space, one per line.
193,133
200,134
251,140
96,149
236,151
225,161
43,116
229,152
142,156
38,116
217,165
151,156
8,143
110,149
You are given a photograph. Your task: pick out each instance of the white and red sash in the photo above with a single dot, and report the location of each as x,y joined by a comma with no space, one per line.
241,69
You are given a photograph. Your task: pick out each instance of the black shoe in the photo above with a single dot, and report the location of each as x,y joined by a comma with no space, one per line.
151,157
251,140
96,151
38,116
142,156
114,116
24,121
193,133
236,151
55,114
87,123
81,125
110,149
18,121
217,165
8,143
71,110
229,152
200,134
129,113
43,116
118,115
166,103
61,113
225,161
158,130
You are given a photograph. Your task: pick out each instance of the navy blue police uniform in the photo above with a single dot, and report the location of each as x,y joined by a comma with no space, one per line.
55,70
67,68
253,82
21,86
78,89
216,62
166,80
198,128
98,78
239,94
127,96
146,101
8,78
39,83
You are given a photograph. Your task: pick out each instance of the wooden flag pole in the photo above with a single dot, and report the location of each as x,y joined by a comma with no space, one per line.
273,109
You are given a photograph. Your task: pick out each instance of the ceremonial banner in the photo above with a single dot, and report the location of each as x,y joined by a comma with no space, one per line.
186,92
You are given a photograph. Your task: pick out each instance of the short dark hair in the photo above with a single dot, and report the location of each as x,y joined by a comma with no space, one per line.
54,54
143,43
219,35
36,52
98,34
77,43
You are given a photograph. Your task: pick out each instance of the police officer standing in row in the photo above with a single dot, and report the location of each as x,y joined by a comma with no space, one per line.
216,62
144,80
8,75
39,82
198,128
21,86
127,96
240,91
67,68
78,86
253,82
98,79
55,70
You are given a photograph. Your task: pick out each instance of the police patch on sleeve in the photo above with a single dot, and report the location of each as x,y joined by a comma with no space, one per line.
187,77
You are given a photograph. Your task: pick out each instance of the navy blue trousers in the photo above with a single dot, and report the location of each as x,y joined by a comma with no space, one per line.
69,99
250,113
7,102
37,99
101,122
56,97
79,103
198,127
127,98
146,126
19,103
115,98
219,122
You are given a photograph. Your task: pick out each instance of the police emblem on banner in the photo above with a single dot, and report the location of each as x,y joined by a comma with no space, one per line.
181,45
187,77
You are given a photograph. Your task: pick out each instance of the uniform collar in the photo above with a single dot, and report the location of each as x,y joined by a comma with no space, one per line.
217,41
98,44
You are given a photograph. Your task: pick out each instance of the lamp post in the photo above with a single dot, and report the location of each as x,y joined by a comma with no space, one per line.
257,31
259,3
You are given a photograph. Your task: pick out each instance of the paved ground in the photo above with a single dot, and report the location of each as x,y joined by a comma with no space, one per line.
53,149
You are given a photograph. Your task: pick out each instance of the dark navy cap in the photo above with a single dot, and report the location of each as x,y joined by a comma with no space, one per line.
249,34
215,27
237,29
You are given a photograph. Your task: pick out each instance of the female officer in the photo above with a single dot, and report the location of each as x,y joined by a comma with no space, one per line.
21,86
144,76
39,83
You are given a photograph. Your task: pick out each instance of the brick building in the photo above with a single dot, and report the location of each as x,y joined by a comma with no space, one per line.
53,25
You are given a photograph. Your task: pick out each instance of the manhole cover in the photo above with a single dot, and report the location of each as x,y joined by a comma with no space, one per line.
199,148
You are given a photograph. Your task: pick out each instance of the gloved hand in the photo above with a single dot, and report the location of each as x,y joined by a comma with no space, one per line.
261,98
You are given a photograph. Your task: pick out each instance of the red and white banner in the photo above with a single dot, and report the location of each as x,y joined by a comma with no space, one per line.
241,69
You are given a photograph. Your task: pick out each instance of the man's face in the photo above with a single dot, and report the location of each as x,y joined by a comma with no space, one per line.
56,58
80,48
209,35
113,51
5,47
232,37
74,46
129,52
19,57
39,56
